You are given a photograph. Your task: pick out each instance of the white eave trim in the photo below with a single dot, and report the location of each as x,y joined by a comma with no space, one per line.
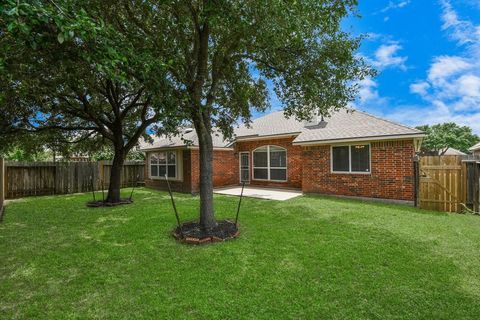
373,138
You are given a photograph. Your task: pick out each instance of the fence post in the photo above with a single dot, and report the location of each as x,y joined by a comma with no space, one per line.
2,186
416,180
476,189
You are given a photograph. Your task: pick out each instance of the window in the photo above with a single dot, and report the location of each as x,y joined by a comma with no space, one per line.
162,163
270,163
351,159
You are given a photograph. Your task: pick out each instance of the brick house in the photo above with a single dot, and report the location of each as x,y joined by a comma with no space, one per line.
351,153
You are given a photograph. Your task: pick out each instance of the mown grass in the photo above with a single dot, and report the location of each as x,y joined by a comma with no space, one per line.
311,257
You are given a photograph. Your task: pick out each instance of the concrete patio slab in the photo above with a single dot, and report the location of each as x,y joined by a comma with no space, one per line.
262,193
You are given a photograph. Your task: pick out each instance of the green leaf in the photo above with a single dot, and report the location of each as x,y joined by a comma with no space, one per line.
60,38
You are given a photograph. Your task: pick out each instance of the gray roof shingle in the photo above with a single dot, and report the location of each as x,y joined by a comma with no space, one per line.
274,123
354,124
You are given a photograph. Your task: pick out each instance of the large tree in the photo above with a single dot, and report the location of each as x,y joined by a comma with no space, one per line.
64,69
206,62
441,137
225,54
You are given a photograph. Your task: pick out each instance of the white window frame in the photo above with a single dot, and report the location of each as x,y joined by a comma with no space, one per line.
350,158
166,165
268,164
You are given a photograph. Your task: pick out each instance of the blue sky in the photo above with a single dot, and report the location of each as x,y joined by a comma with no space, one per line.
428,56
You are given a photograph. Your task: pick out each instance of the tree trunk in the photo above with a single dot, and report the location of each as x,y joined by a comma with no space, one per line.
207,214
116,177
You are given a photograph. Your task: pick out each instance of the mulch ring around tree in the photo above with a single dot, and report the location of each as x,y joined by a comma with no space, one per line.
192,233
102,203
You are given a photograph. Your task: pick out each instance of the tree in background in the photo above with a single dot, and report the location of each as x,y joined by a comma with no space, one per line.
65,70
441,137
224,55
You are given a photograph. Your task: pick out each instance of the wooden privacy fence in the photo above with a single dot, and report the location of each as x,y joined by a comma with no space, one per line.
2,187
24,179
447,183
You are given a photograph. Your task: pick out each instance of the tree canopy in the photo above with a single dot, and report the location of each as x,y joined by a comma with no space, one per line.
66,70
441,137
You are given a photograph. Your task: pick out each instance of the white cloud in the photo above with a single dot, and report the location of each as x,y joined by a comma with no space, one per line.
463,31
395,5
444,67
386,56
420,88
367,90
469,85
368,95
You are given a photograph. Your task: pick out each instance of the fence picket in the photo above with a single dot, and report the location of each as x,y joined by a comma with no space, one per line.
24,179
447,183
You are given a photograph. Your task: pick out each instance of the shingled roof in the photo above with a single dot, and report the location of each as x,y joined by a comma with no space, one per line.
345,124
342,125
188,137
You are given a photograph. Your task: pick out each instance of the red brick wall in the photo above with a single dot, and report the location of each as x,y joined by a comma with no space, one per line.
225,169
391,172
294,161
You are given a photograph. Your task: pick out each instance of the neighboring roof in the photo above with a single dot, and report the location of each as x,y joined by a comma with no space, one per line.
345,124
342,125
187,138
454,152
475,147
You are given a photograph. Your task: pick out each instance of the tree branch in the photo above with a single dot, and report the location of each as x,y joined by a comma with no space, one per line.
132,103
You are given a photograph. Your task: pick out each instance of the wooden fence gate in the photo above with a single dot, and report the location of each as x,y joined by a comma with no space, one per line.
448,183
441,183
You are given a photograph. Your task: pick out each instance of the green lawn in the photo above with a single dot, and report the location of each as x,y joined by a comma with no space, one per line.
311,257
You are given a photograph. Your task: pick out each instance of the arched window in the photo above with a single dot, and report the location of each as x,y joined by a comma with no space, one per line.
270,163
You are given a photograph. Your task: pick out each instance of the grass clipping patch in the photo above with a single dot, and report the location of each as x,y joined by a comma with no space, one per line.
192,233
